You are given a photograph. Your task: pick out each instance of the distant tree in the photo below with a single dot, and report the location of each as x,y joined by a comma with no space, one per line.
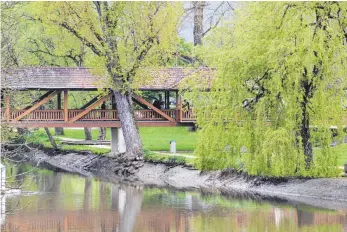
198,31
276,80
205,16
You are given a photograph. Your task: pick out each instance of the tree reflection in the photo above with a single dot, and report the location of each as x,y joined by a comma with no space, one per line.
132,205
87,194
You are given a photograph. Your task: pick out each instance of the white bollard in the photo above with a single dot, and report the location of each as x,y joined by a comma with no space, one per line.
172,146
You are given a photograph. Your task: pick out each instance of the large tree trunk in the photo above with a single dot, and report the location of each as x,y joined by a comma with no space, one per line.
305,135
59,131
88,133
122,98
198,22
102,133
127,120
305,121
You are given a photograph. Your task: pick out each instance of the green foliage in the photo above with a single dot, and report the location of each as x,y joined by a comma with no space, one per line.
177,159
183,55
281,68
38,137
7,133
118,39
125,37
155,157
94,150
340,151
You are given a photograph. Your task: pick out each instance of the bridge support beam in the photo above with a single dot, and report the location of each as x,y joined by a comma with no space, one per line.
59,130
117,140
143,101
42,100
8,108
167,100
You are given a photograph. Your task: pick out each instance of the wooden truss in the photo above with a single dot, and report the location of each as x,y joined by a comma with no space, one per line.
143,101
42,100
89,108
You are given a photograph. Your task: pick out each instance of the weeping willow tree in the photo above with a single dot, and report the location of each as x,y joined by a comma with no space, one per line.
281,69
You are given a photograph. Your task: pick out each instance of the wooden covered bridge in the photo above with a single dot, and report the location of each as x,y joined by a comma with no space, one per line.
58,82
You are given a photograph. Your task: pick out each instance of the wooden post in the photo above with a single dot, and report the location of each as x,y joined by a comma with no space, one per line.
167,99
59,130
2,99
66,225
113,100
8,106
66,106
59,101
165,104
177,110
181,110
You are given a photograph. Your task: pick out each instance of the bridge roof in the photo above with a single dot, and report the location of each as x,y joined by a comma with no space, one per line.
49,78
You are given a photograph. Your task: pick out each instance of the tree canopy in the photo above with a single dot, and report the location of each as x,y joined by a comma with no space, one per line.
281,70
116,39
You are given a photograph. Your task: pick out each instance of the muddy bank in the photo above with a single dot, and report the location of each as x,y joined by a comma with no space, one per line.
327,193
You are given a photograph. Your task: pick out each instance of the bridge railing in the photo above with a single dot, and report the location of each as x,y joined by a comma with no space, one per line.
95,115
188,115
147,115
39,115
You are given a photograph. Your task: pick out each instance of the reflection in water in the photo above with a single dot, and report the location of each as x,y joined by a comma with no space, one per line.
72,203
87,194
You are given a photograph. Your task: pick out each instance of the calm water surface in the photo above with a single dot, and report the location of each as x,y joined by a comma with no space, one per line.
67,202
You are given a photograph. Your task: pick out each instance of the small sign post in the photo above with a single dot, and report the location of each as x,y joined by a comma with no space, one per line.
172,146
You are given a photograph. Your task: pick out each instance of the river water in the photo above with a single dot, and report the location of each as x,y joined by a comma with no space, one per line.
57,201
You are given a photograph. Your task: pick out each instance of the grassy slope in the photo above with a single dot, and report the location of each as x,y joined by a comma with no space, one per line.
153,138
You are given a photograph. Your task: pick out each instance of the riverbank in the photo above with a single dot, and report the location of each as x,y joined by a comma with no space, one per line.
326,192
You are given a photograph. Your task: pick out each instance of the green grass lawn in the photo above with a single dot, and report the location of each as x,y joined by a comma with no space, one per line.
40,137
158,139
153,138
341,151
